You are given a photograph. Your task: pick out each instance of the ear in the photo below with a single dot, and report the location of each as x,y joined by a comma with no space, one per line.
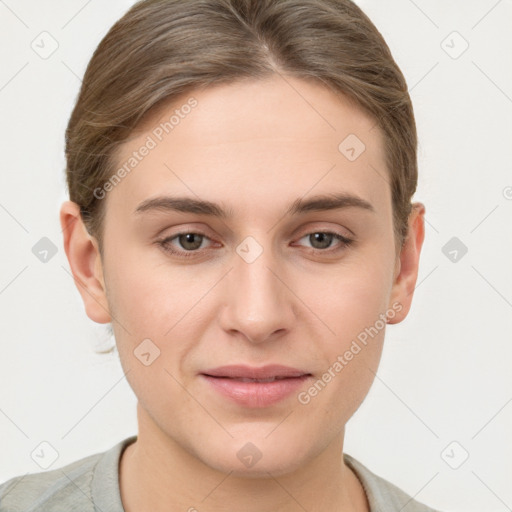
407,263
85,261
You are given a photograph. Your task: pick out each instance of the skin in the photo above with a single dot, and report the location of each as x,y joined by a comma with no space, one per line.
254,147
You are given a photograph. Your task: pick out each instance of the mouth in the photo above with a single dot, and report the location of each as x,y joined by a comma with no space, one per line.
263,373
248,379
255,387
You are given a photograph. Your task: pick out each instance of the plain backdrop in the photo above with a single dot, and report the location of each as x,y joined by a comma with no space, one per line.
443,392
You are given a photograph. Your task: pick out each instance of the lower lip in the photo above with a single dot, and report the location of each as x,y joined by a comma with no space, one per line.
256,394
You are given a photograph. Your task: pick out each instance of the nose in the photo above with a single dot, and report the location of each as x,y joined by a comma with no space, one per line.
259,304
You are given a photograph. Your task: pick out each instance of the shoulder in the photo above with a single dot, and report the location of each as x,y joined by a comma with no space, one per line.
74,487
383,496
63,487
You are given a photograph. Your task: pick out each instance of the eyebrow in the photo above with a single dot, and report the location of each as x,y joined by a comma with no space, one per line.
317,203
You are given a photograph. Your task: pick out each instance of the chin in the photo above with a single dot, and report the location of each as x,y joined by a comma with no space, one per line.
257,456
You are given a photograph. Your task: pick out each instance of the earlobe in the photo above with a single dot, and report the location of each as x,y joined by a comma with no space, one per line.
407,274
85,263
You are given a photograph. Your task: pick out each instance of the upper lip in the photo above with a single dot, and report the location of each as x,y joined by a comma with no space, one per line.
252,372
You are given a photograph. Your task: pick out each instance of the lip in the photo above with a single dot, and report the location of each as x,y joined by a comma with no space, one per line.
230,381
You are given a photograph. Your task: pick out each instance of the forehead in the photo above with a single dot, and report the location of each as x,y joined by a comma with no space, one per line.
277,106
280,136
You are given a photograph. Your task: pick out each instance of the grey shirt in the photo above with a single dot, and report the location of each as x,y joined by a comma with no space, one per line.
91,484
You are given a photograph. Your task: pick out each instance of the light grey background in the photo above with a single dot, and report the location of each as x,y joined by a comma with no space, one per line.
445,374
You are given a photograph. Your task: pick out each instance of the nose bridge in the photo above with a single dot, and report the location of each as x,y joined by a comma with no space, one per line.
257,302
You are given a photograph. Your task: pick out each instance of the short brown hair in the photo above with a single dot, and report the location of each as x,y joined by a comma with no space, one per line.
161,49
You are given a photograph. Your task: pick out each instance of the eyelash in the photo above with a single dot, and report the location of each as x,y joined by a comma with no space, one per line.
165,243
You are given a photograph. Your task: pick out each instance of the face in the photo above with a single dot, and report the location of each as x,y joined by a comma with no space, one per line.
298,271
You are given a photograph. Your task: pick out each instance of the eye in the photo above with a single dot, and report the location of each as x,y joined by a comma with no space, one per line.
321,241
190,242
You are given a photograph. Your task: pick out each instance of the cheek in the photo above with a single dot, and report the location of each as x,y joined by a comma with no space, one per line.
349,297
351,306
162,303
148,298
149,305
350,302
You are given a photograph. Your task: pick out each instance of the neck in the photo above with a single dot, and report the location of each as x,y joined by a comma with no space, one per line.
158,474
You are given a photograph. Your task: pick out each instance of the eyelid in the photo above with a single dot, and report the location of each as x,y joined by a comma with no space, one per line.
327,227
322,228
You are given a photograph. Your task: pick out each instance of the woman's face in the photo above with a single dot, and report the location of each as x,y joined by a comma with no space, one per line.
259,285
